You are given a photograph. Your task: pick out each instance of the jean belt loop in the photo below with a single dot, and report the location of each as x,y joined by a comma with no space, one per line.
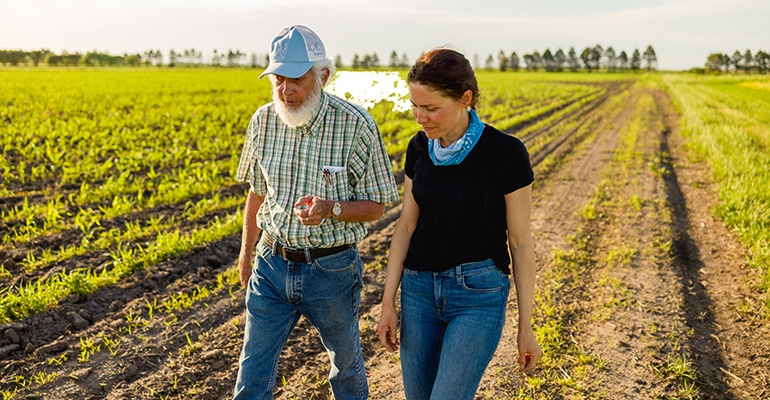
459,274
273,248
308,257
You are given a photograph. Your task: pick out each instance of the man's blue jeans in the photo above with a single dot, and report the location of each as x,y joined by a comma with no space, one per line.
451,323
327,293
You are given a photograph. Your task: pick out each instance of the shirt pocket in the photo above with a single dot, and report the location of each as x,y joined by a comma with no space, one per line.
335,185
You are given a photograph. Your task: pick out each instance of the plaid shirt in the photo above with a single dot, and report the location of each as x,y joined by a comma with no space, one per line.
339,155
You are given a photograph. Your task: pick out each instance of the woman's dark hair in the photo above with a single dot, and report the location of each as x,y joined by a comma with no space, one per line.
446,71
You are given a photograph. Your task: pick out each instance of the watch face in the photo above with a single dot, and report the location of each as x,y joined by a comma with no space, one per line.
337,210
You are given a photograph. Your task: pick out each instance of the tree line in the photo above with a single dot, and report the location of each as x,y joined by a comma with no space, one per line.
739,62
590,59
187,57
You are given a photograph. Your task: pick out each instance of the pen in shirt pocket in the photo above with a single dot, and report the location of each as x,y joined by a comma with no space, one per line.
328,171
327,176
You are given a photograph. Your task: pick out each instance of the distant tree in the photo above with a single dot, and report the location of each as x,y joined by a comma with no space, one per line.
612,59
748,61
38,55
585,56
216,58
595,56
393,59
16,57
714,63
736,60
623,60
530,65
762,61
502,61
726,61
234,58
152,57
513,61
338,61
404,63
96,59
54,60
190,57
636,60
559,59
548,61
572,60
489,63
356,61
368,61
650,58
537,59
133,60
173,58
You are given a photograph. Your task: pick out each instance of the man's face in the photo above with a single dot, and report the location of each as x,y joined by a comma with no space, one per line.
296,99
293,92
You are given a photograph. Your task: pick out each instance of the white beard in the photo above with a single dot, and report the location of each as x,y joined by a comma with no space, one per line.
300,116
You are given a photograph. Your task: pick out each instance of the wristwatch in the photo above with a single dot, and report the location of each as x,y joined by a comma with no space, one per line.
336,210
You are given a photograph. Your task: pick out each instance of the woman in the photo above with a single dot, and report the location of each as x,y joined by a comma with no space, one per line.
467,203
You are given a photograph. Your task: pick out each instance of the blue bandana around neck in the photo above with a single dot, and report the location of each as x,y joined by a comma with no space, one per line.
455,153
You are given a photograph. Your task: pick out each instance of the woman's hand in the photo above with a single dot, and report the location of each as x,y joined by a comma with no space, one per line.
387,327
529,349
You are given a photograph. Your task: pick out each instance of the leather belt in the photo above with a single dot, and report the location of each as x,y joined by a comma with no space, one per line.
301,255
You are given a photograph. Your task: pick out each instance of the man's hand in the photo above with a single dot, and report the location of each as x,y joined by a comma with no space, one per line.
312,210
244,269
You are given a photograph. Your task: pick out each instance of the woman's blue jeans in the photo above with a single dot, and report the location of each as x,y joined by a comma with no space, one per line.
451,323
327,293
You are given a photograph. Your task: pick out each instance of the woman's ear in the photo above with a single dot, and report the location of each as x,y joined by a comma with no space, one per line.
467,98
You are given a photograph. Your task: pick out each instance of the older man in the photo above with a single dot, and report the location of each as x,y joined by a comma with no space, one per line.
318,171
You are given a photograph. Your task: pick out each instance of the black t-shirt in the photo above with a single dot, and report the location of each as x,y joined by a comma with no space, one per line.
462,207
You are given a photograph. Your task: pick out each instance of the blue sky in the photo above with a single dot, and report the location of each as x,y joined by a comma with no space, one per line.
682,32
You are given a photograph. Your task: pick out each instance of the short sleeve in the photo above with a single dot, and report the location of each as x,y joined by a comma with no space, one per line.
514,165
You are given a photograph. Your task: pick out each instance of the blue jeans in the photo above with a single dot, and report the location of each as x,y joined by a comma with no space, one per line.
451,323
327,293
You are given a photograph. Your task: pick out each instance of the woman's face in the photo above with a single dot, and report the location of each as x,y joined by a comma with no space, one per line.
441,117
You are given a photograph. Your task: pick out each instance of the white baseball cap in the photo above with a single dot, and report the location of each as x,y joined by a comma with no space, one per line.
293,52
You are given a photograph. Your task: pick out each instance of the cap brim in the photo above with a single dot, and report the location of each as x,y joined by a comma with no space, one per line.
287,69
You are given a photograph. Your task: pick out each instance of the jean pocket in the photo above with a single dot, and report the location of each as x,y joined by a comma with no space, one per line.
489,279
339,262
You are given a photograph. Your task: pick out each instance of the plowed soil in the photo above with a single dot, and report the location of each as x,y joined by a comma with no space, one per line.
682,289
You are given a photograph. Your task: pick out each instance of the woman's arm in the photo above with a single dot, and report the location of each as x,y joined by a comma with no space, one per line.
399,245
518,206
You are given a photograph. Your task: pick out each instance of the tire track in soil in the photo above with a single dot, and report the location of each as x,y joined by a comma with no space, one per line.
627,312
732,348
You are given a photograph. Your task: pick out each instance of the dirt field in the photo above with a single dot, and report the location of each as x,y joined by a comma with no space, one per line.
647,293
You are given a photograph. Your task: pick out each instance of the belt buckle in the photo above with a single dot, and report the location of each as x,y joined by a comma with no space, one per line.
297,251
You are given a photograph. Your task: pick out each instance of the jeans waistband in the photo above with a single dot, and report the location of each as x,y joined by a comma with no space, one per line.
299,254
